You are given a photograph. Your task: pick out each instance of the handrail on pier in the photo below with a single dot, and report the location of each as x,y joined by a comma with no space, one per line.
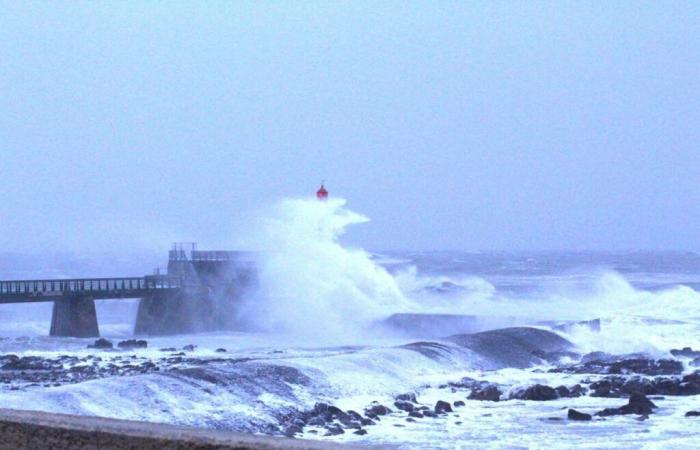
88,285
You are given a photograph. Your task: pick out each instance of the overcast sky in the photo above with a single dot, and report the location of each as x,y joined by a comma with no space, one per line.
452,125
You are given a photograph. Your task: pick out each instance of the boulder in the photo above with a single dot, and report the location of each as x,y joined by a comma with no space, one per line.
488,393
354,415
458,403
220,350
404,406
132,343
334,430
360,432
102,344
686,352
292,430
189,347
576,415
442,407
638,385
637,404
408,397
377,410
537,392
692,414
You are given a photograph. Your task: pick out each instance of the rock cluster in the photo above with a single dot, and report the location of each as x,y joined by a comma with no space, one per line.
618,386
603,364
637,404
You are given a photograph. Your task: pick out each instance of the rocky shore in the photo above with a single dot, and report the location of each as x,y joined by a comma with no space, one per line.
641,383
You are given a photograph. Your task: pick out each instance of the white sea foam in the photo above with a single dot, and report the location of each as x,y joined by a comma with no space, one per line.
310,284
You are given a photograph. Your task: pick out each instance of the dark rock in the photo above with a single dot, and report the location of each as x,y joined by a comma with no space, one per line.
488,393
334,430
577,391
360,432
377,410
562,391
291,431
32,363
132,343
686,352
442,407
692,414
101,344
404,406
575,415
167,349
607,387
692,378
458,403
354,415
688,385
537,392
429,413
416,414
606,364
408,397
334,411
647,366
638,385
367,422
350,424
189,348
316,421
637,404
410,419
220,350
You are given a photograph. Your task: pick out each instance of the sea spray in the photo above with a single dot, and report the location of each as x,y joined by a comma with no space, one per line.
312,285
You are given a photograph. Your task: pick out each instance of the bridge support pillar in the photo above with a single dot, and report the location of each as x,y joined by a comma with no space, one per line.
74,317
170,314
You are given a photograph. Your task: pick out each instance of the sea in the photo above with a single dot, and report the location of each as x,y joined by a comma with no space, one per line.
314,334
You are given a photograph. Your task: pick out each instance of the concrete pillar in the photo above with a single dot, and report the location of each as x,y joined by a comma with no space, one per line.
173,314
74,317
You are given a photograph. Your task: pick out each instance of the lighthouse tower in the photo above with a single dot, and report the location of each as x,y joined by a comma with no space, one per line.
322,193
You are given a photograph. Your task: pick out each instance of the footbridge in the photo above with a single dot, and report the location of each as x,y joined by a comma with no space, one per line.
30,291
182,300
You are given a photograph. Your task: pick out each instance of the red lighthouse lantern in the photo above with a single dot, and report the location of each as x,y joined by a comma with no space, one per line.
322,193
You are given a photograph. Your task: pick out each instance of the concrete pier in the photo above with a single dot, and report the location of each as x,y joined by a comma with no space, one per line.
33,430
200,292
74,317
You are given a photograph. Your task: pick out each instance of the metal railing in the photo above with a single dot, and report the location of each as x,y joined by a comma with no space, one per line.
89,286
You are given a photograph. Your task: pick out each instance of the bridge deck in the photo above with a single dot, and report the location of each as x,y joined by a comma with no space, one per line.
25,291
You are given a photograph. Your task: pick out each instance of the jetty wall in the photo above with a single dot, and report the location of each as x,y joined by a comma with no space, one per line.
35,430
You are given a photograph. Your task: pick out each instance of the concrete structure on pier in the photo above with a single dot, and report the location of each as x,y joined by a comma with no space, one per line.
197,294
214,283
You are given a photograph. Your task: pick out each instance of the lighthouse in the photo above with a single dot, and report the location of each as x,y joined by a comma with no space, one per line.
322,193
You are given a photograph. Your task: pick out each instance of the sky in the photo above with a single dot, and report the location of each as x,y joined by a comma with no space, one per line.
452,125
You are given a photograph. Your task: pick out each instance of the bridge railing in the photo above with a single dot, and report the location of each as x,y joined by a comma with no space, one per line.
203,255
88,285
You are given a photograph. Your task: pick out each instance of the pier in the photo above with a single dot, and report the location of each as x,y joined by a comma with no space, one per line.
182,300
